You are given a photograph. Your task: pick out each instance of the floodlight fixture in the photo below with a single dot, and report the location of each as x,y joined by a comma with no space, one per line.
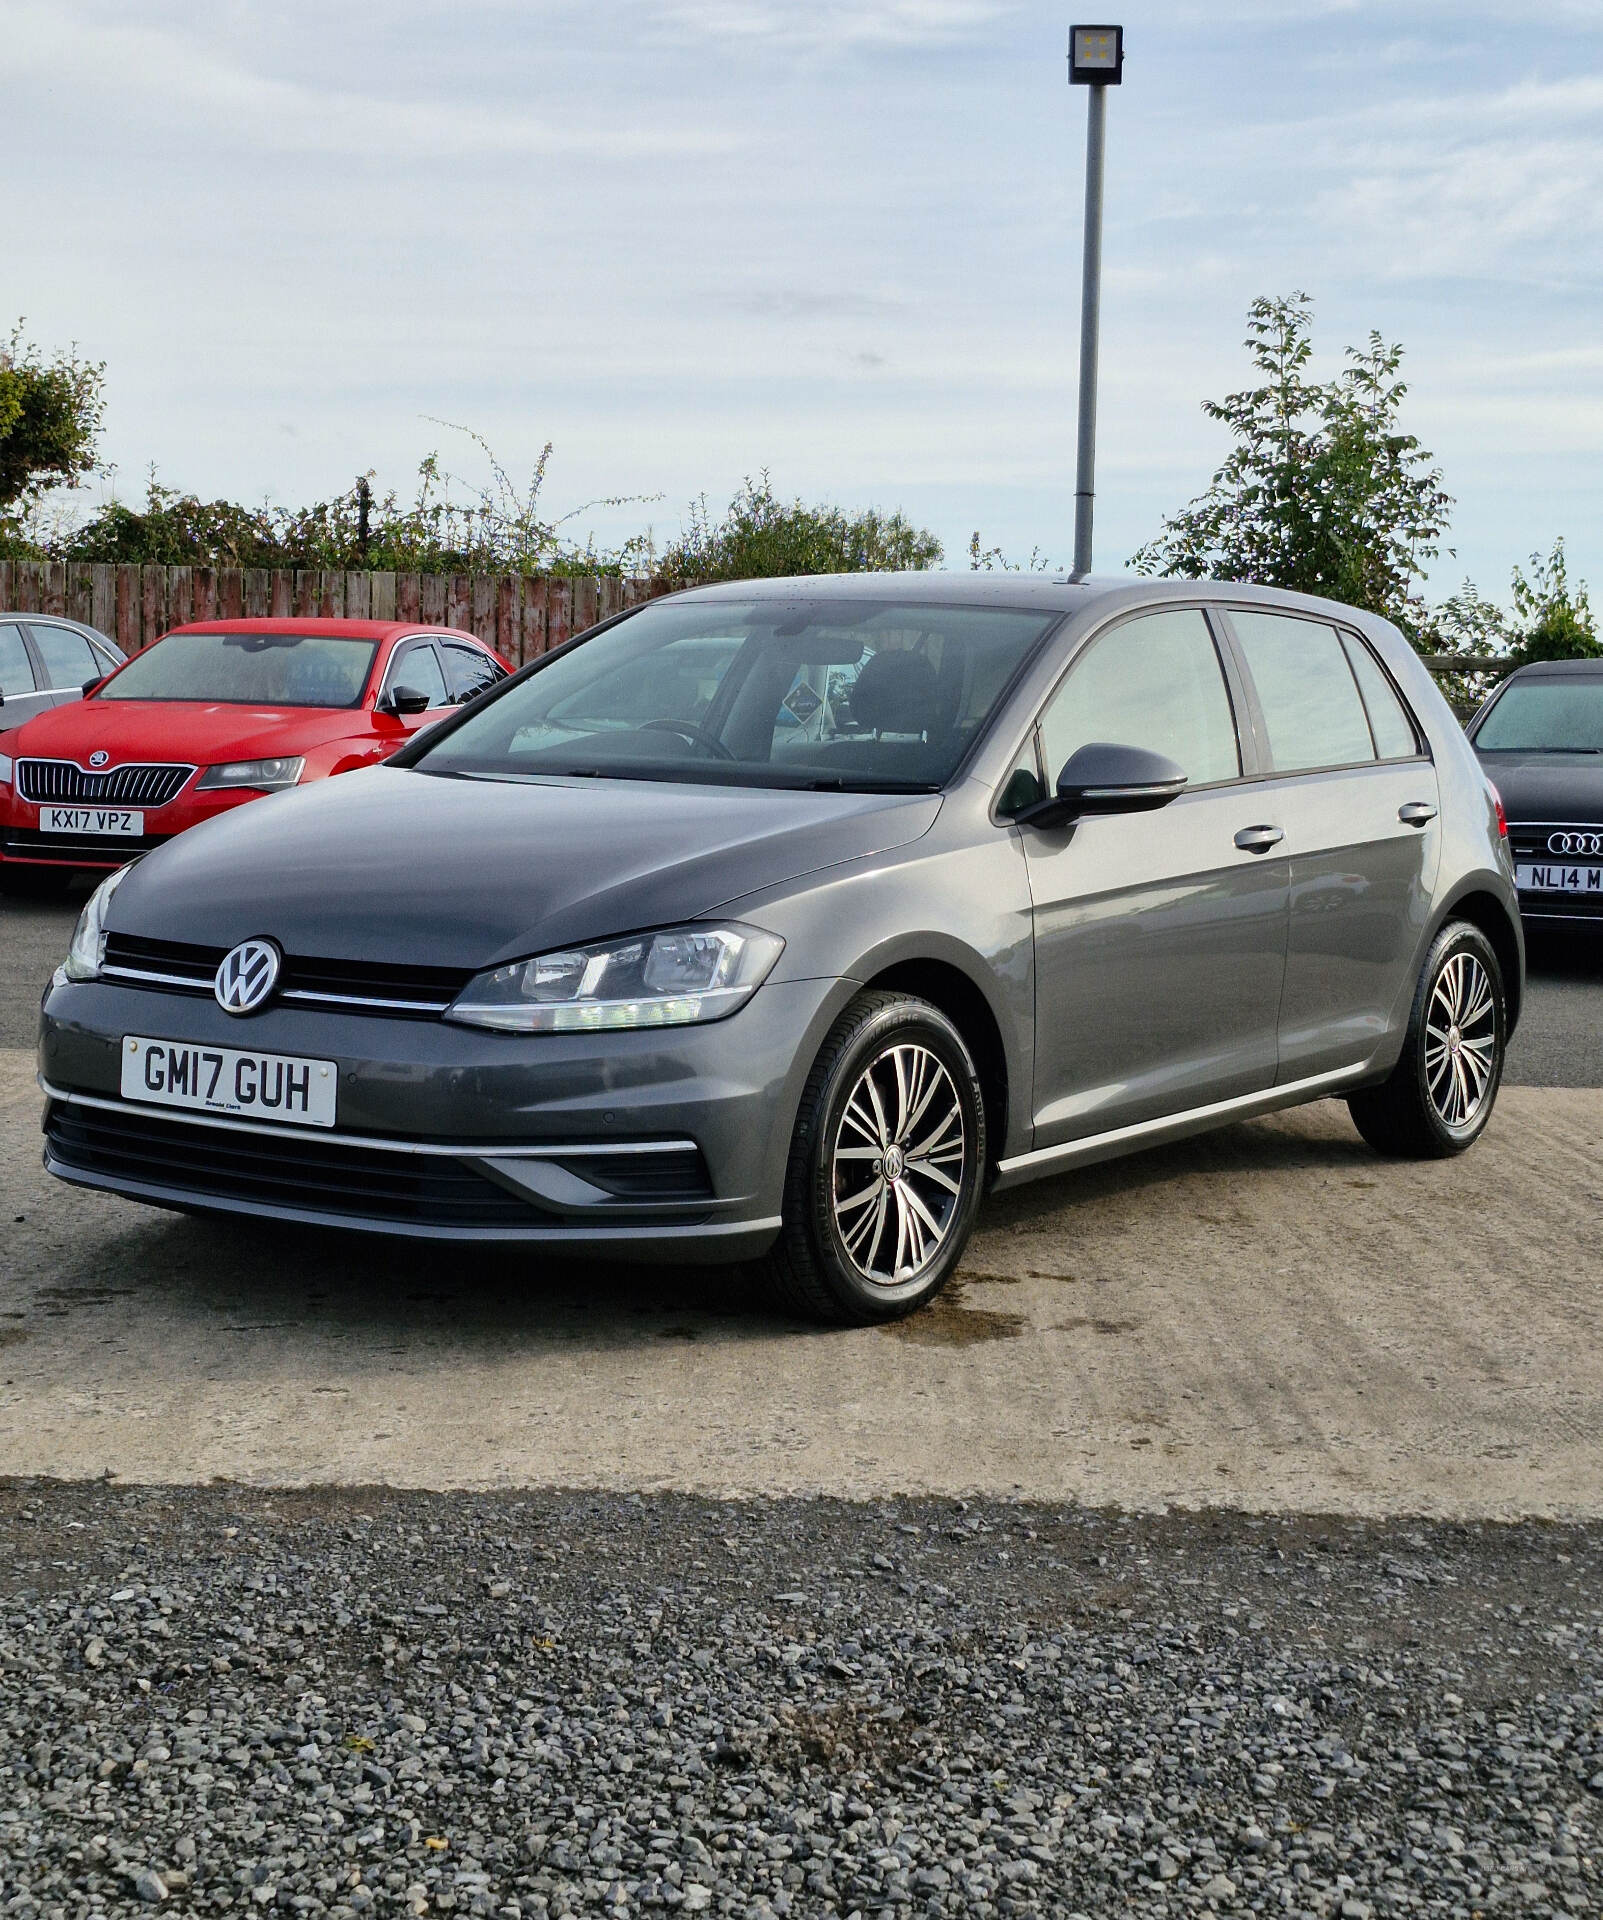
1096,56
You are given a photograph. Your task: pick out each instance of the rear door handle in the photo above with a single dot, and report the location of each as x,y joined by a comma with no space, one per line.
1416,813
1259,839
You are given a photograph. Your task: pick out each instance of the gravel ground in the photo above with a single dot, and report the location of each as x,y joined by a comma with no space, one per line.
372,1703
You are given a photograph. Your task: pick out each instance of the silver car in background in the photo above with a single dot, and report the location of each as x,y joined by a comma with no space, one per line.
47,660
783,920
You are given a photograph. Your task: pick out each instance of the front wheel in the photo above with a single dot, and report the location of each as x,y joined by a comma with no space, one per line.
1440,1094
885,1166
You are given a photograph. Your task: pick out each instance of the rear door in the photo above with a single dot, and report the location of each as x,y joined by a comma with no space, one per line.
1160,937
1355,794
20,686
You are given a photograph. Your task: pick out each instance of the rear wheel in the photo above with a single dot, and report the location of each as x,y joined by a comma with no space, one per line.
885,1165
1441,1093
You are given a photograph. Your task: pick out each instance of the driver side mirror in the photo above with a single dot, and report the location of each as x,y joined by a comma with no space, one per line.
404,700
1102,777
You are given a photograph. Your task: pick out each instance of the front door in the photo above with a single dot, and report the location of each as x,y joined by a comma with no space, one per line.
1160,938
1358,805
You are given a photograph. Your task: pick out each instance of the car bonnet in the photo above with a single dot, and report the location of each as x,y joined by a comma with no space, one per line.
396,865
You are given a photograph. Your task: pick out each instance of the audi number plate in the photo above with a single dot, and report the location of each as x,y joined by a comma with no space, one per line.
255,1086
95,820
1555,877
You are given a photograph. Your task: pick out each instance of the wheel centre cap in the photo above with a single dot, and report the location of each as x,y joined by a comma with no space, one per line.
894,1163
1454,1039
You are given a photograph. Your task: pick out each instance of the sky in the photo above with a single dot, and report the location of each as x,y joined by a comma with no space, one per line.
688,240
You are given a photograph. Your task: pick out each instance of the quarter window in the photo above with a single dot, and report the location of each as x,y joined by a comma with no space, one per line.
1395,738
69,659
16,669
1152,682
1306,690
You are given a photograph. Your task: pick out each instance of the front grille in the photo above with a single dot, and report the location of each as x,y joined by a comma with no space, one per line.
361,986
62,782
301,1171
23,844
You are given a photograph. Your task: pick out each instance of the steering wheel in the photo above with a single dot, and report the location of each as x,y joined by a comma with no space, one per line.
688,730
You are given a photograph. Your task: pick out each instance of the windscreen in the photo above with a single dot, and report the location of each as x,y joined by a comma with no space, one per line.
1545,716
247,670
861,696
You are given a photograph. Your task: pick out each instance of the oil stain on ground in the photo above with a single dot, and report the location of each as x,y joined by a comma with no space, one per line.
949,1321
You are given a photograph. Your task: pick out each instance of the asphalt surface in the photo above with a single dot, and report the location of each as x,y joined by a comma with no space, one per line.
536,1704
1559,1042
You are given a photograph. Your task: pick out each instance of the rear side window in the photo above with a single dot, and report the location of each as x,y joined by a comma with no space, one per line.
1152,682
1306,690
16,669
1395,738
470,671
69,659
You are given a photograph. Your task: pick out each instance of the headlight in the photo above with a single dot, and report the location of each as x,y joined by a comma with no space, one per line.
671,979
88,947
267,775
5,770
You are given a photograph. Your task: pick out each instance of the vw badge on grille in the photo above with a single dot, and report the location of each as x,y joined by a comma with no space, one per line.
99,757
247,976
1575,843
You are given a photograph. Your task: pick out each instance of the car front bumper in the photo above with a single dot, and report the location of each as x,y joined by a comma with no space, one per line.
668,1144
24,843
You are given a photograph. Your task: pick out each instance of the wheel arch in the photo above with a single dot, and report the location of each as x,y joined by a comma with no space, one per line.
1484,909
950,989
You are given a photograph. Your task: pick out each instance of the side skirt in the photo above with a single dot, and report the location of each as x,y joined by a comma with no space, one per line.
1171,1126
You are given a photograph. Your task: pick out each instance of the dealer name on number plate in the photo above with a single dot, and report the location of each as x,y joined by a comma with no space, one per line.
255,1086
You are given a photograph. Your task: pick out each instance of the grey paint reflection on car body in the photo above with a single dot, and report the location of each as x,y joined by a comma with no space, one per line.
1136,977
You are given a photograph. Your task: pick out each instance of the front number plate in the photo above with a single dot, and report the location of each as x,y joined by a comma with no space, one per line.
1558,878
256,1086
114,821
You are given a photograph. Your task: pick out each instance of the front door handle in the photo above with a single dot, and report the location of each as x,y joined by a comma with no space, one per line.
1416,813
1259,839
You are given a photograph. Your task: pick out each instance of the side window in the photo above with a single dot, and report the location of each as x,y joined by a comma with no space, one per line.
68,658
1395,738
1153,682
470,671
1306,689
419,668
16,669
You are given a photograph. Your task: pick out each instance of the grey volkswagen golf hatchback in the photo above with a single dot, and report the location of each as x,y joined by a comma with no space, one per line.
784,919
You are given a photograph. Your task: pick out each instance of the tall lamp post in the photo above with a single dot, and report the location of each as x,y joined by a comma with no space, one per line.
1096,60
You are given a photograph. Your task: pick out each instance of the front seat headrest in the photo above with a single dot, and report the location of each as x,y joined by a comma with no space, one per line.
897,692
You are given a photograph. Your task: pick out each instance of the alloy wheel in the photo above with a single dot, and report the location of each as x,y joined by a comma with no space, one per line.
1460,1040
898,1164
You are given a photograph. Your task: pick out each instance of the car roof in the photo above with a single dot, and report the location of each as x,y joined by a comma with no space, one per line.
1049,592
336,629
1560,670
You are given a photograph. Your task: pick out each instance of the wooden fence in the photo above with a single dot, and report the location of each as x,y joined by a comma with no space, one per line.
520,615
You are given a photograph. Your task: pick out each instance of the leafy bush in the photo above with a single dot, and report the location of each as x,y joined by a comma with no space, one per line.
761,536
50,415
1322,492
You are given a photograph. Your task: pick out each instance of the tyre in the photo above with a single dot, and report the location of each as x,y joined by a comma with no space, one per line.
1440,1094
886,1165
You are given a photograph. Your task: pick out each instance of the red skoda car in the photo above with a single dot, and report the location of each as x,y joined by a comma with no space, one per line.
214,715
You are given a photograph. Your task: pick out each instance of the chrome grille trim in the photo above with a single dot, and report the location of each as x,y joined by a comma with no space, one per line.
65,783
305,997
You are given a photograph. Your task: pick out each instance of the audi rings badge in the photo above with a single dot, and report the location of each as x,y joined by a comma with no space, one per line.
1575,843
